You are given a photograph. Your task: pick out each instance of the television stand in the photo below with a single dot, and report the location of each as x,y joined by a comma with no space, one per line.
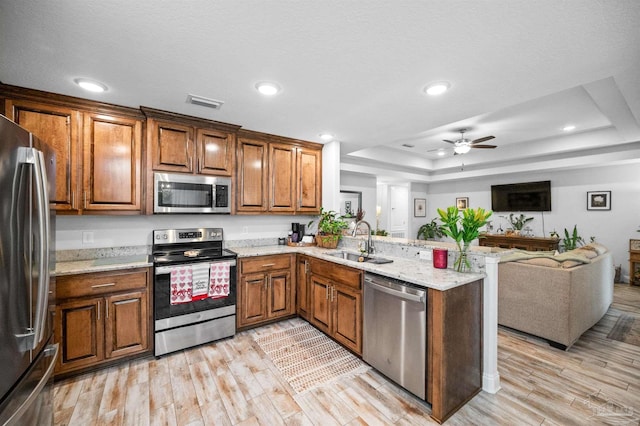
519,242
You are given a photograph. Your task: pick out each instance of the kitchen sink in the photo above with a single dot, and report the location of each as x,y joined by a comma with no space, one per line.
357,257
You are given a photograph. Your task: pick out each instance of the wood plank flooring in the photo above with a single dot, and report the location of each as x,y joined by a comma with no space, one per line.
232,382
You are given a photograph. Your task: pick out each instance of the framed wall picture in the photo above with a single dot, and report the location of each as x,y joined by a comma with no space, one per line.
598,200
419,207
462,203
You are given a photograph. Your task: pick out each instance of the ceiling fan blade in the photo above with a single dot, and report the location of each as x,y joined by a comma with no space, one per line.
480,140
483,146
448,141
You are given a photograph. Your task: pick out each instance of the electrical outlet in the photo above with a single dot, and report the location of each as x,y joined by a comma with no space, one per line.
245,229
425,254
87,237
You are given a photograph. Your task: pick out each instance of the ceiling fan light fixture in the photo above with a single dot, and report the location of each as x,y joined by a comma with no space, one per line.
268,88
462,149
437,88
90,85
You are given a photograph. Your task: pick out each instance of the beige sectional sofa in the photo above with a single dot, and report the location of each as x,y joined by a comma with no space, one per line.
555,297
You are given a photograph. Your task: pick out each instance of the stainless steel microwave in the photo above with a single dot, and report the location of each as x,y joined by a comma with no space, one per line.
176,193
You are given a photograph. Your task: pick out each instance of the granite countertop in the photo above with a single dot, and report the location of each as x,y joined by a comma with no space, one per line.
102,264
418,272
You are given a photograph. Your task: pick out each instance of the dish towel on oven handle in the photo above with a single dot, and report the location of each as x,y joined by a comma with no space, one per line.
219,280
200,276
180,285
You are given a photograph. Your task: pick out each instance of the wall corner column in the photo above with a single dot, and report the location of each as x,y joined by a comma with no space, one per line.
490,375
331,176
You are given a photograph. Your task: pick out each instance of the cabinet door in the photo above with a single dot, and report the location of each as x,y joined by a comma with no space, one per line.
309,181
252,176
282,182
216,152
60,128
112,163
126,324
302,286
347,317
171,146
79,328
252,306
320,315
279,300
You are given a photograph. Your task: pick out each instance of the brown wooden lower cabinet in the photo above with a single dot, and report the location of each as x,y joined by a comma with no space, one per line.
454,348
335,293
101,317
266,289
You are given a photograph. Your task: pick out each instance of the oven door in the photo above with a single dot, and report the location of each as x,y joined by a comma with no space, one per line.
165,309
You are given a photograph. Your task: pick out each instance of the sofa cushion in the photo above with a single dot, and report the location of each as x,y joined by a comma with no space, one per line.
599,248
541,261
588,252
547,258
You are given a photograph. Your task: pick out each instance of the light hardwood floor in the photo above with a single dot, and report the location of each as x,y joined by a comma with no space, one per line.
232,382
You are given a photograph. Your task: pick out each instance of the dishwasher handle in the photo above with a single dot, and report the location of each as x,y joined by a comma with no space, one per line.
415,295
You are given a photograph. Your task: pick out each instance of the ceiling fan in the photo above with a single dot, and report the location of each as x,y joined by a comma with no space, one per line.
464,145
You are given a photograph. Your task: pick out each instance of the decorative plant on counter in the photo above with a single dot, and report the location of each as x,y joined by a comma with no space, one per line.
330,227
463,230
430,230
519,222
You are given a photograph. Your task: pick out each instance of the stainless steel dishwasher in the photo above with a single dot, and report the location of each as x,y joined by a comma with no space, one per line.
395,331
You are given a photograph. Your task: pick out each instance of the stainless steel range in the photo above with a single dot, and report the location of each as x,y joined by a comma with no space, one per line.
194,288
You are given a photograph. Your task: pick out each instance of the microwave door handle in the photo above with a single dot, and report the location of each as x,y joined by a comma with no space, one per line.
43,226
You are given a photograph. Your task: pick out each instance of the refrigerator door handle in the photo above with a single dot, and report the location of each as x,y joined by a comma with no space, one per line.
35,157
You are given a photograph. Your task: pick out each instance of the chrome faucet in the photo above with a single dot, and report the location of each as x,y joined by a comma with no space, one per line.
369,248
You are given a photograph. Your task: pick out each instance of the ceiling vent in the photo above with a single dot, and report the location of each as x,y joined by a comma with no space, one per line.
205,102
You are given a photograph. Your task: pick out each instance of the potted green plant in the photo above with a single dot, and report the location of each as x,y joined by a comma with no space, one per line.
330,227
430,231
518,222
463,230
572,239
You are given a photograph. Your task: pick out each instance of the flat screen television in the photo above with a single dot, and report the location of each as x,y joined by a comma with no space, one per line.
521,197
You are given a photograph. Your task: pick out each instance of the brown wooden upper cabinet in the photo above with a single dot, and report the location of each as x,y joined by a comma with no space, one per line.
278,175
185,144
98,148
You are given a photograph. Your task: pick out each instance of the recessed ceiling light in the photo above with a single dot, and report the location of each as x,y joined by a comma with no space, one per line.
441,153
568,128
90,85
268,88
437,88
326,136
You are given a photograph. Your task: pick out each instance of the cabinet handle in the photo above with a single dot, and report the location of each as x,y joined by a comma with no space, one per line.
306,267
333,294
268,264
103,285
106,310
84,202
98,310
327,293
73,199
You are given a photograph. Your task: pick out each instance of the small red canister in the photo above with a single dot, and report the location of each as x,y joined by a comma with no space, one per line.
440,258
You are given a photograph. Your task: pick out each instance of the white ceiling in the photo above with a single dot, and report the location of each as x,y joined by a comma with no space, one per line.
520,70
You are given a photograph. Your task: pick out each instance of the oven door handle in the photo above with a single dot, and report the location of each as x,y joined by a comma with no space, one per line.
161,270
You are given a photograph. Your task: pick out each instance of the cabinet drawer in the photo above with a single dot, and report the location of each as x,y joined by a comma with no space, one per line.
69,286
337,273
265,263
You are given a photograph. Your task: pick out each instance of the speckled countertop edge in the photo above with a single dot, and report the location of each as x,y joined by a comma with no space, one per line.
418,272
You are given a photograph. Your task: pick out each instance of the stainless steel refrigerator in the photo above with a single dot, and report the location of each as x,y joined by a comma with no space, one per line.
27,352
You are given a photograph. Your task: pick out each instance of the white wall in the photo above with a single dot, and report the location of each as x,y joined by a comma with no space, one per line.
116,231
569,189
417,190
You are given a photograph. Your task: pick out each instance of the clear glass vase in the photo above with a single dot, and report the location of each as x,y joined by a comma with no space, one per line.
462,263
